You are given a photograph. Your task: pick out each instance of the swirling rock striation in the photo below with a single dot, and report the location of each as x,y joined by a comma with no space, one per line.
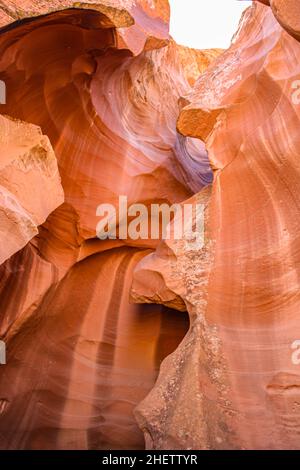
102,82
233,383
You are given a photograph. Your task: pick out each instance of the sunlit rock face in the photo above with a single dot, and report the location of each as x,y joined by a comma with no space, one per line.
27,161
103,85
233,383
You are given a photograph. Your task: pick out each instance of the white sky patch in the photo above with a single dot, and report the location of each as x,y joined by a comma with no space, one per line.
205,24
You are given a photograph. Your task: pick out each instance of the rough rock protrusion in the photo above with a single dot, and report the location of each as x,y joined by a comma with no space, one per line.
233,382
30,187
103,81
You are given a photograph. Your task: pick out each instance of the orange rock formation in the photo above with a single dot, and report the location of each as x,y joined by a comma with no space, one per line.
27,161
108,87
233,383
101,81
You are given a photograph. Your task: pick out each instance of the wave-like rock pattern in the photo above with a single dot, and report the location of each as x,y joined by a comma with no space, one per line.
233,383
102,83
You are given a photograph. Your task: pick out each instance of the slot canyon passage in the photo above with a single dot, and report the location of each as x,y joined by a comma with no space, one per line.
122,344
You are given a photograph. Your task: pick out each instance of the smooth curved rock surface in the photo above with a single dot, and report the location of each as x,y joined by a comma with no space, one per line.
287,12
80,355
86,100
84,358
140,23
233,383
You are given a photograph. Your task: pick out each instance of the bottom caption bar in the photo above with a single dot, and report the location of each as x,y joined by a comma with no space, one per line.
135,459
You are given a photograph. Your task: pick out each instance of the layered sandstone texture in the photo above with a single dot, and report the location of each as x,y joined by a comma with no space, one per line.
102,80
112,93
30,187
234,382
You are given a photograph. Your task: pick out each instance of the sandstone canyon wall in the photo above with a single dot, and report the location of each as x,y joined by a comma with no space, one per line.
102,81
101,102
233,383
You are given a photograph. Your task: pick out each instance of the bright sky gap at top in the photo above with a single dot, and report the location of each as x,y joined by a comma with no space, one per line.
205,24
